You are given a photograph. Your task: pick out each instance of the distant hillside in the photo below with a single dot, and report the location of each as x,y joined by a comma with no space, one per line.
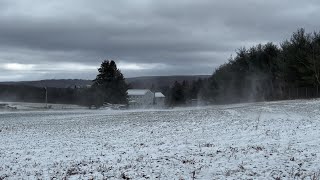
137,82
160,81
57,83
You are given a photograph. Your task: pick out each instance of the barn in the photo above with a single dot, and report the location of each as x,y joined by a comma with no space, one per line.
145,98
140,98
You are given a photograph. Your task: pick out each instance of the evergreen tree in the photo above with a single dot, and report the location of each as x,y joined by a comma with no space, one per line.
109,85
177,95
301,56
186,90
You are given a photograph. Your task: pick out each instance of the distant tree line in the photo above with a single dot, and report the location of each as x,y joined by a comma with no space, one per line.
184,93
262,72
22,93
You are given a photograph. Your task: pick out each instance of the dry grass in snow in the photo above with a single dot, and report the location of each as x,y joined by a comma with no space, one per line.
278,140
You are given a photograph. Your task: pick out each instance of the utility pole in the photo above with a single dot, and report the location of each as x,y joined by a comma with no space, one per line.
153,90
46,98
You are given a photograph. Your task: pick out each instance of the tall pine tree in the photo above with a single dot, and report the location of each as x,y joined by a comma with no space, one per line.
109,85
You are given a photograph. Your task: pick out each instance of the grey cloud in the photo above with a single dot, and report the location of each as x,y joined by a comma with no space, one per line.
180,34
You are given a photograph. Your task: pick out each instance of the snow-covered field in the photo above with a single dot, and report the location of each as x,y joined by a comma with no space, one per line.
5,106
276,140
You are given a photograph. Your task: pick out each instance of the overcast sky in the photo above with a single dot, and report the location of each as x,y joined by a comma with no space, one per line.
64,39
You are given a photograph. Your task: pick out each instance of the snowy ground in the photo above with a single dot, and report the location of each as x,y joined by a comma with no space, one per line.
17,106
277,140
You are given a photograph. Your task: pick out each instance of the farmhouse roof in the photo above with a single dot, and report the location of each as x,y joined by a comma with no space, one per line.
159,95
137,92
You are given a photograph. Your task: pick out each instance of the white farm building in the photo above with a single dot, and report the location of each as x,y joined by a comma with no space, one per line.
159,99
144,98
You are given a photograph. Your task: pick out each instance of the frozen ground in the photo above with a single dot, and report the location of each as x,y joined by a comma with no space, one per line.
278,140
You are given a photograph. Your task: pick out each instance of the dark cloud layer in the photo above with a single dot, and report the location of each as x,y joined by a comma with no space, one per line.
147,37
